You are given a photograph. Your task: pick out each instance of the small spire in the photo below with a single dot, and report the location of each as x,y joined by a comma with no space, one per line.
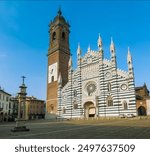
59,79
129,51
89,48
70,62
129,62
129,58
59,11
144,84
112,45
99,41
112,42
79,50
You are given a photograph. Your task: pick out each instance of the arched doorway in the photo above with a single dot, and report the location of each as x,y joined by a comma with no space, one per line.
141,110
89,110
1,116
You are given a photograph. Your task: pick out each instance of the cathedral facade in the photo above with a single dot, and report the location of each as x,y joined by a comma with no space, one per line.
95,88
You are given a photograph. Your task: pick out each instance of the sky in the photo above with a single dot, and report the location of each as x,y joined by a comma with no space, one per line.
24,37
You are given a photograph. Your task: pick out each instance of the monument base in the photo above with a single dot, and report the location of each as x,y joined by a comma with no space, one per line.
20,126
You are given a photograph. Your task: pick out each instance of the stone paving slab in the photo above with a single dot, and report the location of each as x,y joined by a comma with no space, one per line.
80,129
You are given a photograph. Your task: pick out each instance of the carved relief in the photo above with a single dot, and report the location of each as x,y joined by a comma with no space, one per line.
107,75
90,71
124,86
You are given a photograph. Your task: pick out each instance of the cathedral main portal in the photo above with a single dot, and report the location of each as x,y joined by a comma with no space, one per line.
89,110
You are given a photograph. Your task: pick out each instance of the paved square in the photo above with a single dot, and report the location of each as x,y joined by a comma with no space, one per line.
81,129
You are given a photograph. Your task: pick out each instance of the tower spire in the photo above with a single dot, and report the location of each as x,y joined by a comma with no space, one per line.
58,47
129,58
129,62
112,45
70,63
89,48
99,43
78,50
113,54
59,11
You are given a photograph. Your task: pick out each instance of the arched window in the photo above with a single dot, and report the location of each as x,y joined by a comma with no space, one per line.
75,93
54,36
125,105
52,107
109,101
109,86
63,110
52,71
75,105
63,35
52,78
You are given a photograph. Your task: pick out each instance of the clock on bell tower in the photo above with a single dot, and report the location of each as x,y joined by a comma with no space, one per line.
58,58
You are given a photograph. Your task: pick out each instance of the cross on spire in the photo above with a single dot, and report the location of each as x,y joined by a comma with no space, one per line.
59,11
23,77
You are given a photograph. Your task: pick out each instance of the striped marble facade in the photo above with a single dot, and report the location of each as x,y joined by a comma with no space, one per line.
97,87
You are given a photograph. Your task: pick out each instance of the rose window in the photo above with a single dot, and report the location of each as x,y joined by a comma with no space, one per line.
91,88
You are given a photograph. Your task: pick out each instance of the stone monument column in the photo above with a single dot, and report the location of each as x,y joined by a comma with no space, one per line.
21,120
22,100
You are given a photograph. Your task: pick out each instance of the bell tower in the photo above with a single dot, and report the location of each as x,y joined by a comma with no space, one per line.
58,58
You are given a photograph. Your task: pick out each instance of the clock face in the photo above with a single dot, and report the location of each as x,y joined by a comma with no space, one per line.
52,73
123,86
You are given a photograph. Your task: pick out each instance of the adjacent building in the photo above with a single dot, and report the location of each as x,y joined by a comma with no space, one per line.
6,107
35,108
15,103
142,100
148,105
20,106
95,88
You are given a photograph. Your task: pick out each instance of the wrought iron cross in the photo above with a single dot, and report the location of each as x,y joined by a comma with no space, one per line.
23,77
